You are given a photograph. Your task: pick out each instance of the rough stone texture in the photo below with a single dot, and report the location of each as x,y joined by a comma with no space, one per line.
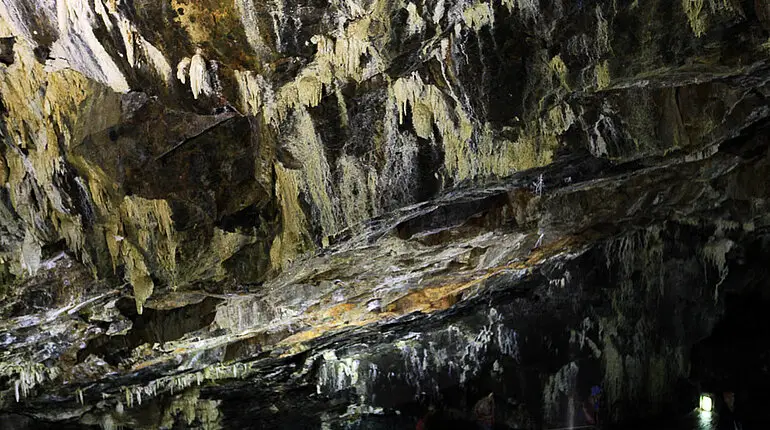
221,213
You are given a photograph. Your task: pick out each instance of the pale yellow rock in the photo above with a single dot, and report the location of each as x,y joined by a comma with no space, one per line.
292,240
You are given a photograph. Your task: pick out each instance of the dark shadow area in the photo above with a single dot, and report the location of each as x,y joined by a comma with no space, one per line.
23,422
736,357
152,326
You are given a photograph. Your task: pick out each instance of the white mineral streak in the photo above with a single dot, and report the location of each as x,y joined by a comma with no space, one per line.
558,385
279,19
400,150
137,46
238,315
128,40
156,59
249,18
438,12
11,11
350,11
598,145
135,395
101,10
30,253
414,24
78,47
338,374
458,352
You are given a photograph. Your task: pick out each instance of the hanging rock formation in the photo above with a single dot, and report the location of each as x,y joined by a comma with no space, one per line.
239,213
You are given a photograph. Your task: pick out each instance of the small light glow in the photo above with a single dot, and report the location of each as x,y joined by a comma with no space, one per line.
706,404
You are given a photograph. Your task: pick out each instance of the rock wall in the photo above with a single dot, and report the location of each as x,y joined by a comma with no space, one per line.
376,205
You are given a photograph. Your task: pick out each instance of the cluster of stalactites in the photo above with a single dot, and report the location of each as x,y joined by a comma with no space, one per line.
26,376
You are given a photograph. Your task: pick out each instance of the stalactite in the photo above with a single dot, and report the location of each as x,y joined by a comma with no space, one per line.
183,69
429,106
715,253
250,89
148,226
48,103
200,81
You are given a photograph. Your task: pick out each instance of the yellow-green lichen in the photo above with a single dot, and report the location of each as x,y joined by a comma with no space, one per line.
292,240
429,106
149,223
336,59
220,25
306,146
45,115
479,15
558,120
357,190
602,73
500,157
148,237
531,151
342,107
206,262
558,67
695,16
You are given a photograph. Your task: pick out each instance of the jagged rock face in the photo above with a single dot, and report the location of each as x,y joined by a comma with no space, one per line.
221,213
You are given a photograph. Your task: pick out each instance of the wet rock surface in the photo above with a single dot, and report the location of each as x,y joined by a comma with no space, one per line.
239,214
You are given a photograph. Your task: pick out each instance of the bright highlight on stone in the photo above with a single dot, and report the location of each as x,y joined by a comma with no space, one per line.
706,403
